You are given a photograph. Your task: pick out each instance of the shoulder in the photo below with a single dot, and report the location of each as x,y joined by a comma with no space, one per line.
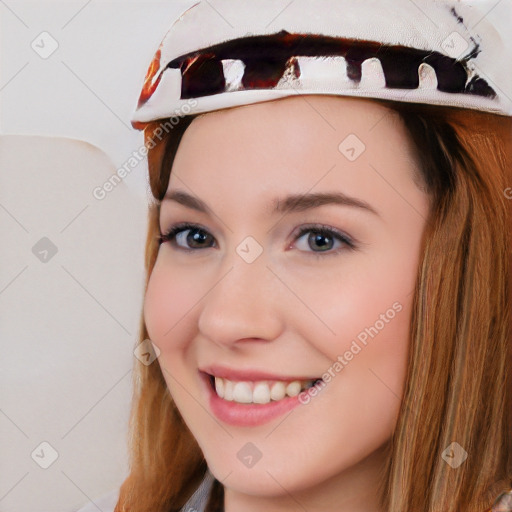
105,503
197,502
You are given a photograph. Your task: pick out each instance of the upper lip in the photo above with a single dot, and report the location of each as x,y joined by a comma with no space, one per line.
249,374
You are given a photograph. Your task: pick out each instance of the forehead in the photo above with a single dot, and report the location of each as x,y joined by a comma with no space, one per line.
315,120
293,145
306,113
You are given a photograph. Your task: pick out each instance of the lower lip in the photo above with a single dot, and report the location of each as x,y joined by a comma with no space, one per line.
246,415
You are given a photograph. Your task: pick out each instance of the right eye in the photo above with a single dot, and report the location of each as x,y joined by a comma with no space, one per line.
177,235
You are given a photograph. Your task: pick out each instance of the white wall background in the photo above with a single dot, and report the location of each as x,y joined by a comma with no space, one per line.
68,324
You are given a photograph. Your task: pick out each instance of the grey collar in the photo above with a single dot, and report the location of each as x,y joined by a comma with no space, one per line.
197,502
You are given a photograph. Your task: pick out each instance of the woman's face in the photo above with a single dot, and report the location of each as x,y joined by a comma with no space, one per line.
248,296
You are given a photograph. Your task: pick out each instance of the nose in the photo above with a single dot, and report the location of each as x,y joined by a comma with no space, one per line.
244,303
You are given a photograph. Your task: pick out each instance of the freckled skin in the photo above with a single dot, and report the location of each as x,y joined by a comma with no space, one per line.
289,312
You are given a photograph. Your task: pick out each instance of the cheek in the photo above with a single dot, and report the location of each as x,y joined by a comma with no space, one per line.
364,313
370,317
169,300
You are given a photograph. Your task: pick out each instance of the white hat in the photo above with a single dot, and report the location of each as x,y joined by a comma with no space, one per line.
225,53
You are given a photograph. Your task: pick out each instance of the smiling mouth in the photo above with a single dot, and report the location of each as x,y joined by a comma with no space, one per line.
258,392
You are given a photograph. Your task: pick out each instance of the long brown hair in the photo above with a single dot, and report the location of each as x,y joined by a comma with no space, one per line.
458,385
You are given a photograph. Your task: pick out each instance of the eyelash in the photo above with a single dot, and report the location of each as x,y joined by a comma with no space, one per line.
316,228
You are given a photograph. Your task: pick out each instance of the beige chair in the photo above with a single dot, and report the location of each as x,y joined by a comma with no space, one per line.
71,291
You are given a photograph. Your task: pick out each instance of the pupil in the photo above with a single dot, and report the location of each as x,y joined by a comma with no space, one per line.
197,236
318,239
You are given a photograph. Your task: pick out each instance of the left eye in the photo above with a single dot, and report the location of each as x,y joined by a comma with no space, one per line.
319,236
323,238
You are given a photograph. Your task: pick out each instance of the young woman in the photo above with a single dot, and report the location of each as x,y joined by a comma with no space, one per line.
327,275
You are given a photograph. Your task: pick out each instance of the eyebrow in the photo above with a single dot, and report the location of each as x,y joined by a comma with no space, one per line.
288,204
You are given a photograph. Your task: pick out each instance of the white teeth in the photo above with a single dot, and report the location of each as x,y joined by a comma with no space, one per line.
278,391
314,70
372,74
242,393
228,390
289,77
293,389
219,387
427,76
233,73
261,392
